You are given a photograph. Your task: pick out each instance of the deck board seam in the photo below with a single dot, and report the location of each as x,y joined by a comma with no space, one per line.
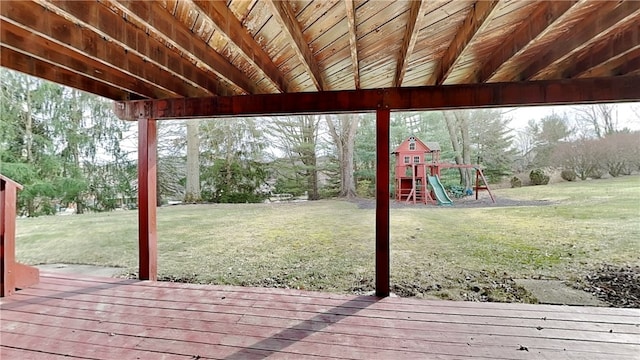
542,337
405,349
406,301
380,315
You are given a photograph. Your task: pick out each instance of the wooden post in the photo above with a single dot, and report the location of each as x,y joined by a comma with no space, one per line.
382,203
12,274
147,224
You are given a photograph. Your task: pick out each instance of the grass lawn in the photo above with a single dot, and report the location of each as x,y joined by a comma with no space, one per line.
458,253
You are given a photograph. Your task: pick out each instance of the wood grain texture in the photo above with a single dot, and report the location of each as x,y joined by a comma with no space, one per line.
285,16
586,30
220,15
85,41
102,318
416,14
27,64
383,273
472,24
147,188
569,91
167,49
13,275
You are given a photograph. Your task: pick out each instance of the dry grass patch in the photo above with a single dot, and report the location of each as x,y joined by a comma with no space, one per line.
459,253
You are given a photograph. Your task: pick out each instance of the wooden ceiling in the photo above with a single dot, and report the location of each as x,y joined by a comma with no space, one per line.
127,50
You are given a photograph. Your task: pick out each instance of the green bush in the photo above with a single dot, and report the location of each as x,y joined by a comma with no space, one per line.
457,191
568,175
596,173
516,182
538,177
365,189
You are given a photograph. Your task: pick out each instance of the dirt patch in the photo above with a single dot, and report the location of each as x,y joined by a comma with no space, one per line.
615,285
89,270
557,292
468,202
479,286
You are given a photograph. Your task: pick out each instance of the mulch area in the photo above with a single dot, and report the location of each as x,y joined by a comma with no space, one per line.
469,202
616,285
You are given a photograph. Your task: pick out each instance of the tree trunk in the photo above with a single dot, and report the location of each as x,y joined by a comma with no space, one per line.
76,118
463,121
345,144
29,126
192,191
452,128
308,156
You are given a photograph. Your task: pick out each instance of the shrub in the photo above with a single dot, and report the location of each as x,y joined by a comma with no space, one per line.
516,182
364,189
538,177
456,191
568,175
596,173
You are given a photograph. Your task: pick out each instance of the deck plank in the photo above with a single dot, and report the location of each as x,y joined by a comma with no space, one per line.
104,318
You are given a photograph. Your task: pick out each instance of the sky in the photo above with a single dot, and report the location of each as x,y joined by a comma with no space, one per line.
627,117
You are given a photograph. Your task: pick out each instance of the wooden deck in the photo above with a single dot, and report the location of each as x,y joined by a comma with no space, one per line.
104,318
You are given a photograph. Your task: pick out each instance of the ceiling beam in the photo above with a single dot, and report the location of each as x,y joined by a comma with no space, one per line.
617,66
592,28
472,25
416,14
165,29
85,43
353,41
225,22
283,13
616,46
27,42
545,17
554,92
26,64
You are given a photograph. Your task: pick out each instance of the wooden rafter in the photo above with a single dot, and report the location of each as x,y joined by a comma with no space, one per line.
24,41
353,41
165,25
48,25
285,16
585,33
27,64
416,13
556,92
471,26
546,16
226,23
620,65
621,45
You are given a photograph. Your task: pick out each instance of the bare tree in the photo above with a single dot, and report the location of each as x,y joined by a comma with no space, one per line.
343,129
582,156
599,119
458,126
298,139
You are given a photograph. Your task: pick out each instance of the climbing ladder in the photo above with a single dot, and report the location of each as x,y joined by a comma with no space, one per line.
419,191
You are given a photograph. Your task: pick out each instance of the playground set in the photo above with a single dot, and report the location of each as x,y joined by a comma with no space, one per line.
417,174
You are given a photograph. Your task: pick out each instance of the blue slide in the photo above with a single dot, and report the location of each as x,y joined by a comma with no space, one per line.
438,190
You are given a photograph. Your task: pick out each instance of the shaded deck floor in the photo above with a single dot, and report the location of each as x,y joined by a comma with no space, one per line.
105,318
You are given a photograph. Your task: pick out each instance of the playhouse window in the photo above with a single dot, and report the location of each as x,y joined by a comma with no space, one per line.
412,146
416,159
406,159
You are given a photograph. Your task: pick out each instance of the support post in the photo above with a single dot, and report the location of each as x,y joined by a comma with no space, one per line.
382,203
12,274
147,224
